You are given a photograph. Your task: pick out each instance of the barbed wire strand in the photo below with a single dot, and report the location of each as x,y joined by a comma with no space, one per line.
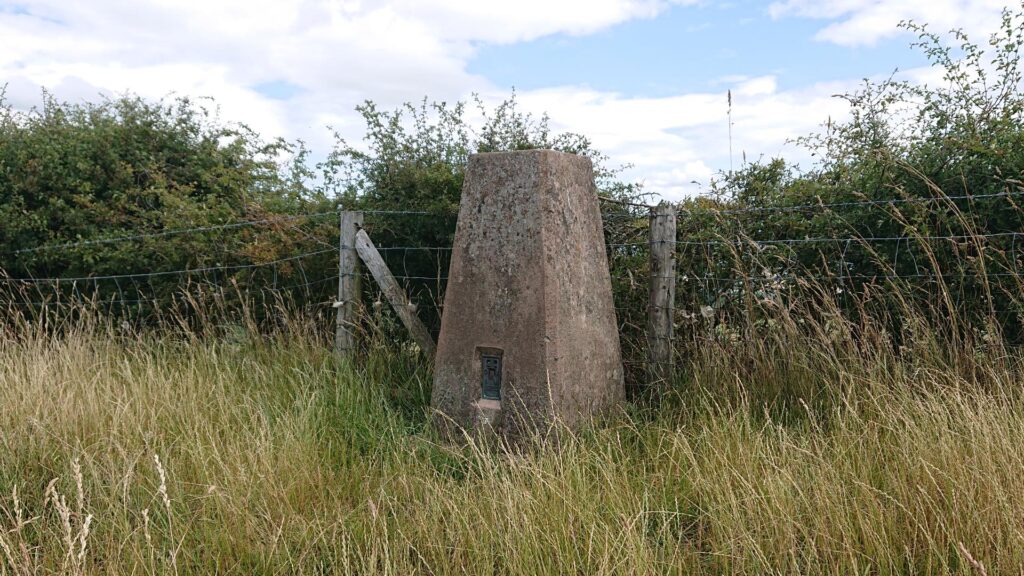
54,280
215,227
818,240
850,204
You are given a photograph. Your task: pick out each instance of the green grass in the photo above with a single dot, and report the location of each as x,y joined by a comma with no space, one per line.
126,453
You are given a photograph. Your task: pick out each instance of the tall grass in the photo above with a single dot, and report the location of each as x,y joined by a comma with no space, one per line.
816,448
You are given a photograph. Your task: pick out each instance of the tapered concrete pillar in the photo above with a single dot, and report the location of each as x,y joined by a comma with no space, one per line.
528,333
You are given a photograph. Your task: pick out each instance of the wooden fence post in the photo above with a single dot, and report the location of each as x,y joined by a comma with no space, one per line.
661,304
395,294
348,284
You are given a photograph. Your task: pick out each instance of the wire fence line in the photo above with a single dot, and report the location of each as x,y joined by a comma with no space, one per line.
608,217
187,271
717,271
224,270
281,219
739,242
850,204
1019,192
169,233
828,239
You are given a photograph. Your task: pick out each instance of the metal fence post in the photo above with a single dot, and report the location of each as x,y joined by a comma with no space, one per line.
348,301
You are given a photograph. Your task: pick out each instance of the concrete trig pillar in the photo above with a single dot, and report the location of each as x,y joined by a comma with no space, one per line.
529,332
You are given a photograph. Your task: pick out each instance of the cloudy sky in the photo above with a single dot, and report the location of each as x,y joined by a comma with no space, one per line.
645,79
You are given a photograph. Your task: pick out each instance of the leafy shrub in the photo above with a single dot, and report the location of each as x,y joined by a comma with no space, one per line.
915,200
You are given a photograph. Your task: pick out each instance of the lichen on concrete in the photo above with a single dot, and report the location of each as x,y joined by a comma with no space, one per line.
529,282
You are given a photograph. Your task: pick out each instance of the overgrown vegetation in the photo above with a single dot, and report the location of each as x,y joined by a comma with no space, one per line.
99,190
229,451
411,166
124,194
841,406
916,196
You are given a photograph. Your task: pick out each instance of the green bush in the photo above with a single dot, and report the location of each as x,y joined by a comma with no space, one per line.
95,190
408,177
76,177
916,196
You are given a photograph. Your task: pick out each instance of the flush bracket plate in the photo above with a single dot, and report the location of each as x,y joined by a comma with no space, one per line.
490,376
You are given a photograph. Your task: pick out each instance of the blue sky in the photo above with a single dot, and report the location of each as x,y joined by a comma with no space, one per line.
689,49
645,79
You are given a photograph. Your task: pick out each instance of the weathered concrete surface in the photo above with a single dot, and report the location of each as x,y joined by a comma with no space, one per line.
529,281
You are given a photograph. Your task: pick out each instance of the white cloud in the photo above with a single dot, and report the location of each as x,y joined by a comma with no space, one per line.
503,22
674,141
865,22
333,54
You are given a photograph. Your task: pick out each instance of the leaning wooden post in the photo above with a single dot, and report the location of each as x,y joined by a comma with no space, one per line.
348,284
399,300
660,311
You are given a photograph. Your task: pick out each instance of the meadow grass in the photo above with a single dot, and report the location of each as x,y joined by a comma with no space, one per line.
801,452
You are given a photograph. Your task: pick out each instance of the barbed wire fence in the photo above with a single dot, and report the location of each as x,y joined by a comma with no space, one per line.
724,264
